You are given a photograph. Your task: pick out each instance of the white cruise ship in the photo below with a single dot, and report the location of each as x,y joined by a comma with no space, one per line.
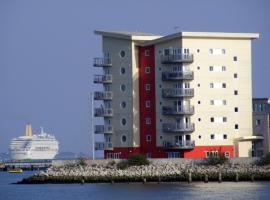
33,147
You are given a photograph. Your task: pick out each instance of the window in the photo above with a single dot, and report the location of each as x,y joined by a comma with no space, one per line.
224,119
236,126
148,120
123,104
227,154
211,68
199,85
123,87
224,102
199,102
223,51
148,138
122,54
146,52
212,102
218,119
211,51
258,122
235,58
148,155
235,92
223,68
147,70
235,109
147,87
147,104
211,154
212,136
211,85
124,138
223,85
217,51
198,68
225,136
198,50
173,155
212,119
199,136
199,119
123,121
122,70
235,75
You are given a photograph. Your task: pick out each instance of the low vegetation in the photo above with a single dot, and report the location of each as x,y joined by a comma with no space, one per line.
265,160
82,162
133,160
217,160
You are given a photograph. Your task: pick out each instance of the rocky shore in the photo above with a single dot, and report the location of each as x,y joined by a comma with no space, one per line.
155,172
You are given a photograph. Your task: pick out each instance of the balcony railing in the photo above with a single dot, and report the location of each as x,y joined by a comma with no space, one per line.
103,146
102,62
103,129
103,112
175,93
177,127
172,59
176,76
178,110
188,144
108,95
103,78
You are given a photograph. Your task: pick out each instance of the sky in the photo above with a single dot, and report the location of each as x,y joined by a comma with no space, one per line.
47,48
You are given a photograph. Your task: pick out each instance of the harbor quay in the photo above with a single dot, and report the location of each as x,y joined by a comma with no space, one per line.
159,170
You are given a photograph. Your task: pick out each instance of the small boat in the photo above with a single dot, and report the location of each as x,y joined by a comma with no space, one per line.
15,171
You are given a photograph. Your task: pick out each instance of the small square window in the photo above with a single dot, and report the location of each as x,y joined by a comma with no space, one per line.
148,120
198,67
212,119
235,58
199,102
147,87
212,136
223,68
211,51
235,75
211,102
235,92
147,70
199,119
148,138
224,102
199,136
235,109
199,85
223,51
211,68
211,85
224,119
258,122
223,85
225,136
236,126
198,50
146,52
147,104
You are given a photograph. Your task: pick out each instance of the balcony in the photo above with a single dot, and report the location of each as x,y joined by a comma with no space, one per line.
103,78
174,59
176,93
176,76
103,112
102,62
177,127
103,95
103,129
103,146
179,110
188,144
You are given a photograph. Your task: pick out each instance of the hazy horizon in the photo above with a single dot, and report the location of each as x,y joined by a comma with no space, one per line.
47,48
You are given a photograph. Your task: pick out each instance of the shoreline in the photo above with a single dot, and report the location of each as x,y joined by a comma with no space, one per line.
156,172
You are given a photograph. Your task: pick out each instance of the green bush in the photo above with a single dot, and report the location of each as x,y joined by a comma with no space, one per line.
82,162
217,160
137,159
122,164
265,160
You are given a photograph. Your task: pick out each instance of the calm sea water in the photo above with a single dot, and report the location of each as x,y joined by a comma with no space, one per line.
228,190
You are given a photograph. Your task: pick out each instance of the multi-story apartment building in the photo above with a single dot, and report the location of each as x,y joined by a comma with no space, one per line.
261,126
185,95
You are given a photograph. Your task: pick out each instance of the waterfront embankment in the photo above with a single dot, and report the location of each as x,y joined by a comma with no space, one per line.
160,170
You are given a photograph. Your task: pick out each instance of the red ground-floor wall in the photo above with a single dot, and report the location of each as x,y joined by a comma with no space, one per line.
197,152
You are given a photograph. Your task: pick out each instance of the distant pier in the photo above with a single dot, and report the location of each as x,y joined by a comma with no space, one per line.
26,165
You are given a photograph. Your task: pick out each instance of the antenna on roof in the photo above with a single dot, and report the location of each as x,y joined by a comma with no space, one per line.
176,28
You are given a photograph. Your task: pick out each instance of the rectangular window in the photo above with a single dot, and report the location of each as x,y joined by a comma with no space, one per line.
211,68
235,92
146,52
218,119
227,154
235,58
147,87
211,85
236,126
217,51
225,137
224,119
223,68
217,68
148,138
173,155
148,120
218,85
223,85
212,119
212,136
218,102
235,75
236,109
258,122
147,104
147,70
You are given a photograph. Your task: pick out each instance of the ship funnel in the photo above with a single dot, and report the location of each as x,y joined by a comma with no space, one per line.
28,129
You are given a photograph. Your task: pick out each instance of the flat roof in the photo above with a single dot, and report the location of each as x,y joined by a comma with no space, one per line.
151,39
